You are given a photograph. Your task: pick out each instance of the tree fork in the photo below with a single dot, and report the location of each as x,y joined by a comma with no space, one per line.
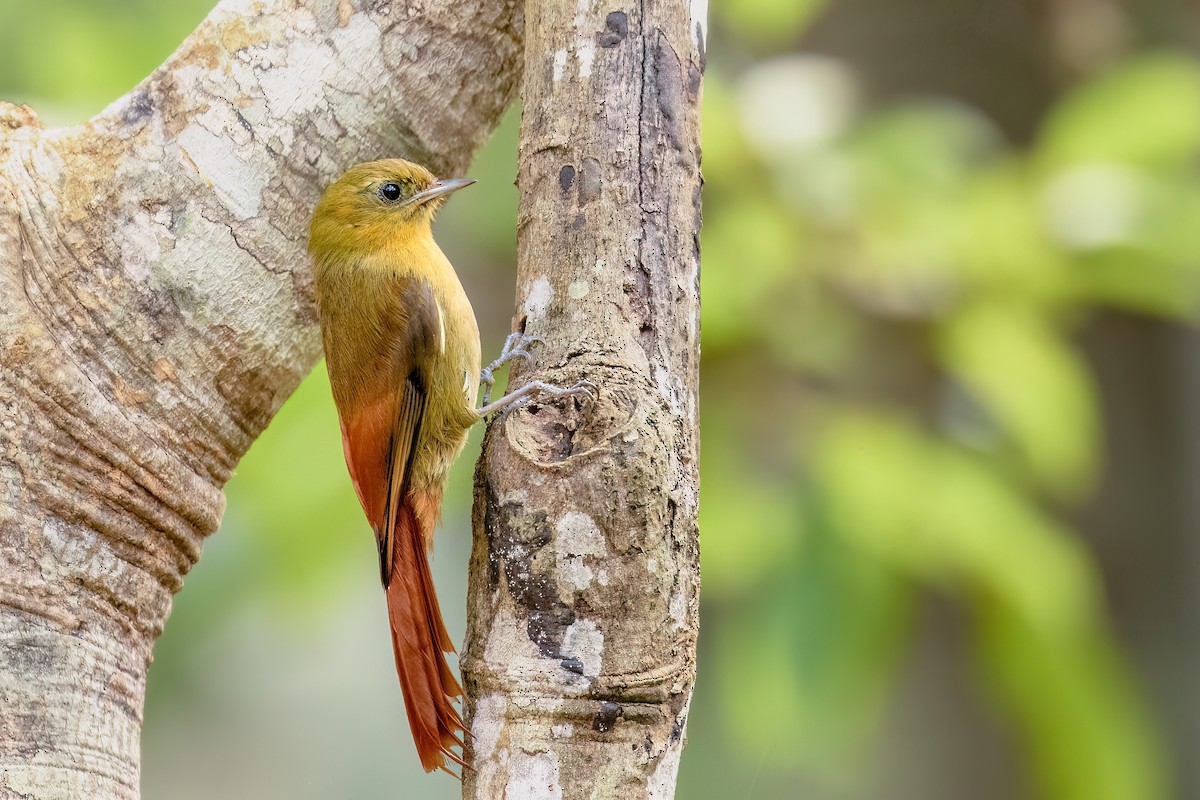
156,310
584,589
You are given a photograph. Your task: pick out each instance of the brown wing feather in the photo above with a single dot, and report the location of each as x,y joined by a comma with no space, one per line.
408,424
367,430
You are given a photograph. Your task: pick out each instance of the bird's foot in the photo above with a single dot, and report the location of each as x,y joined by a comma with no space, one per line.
515,346
536,390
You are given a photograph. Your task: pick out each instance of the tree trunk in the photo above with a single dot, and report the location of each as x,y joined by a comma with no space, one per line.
583,602
155,311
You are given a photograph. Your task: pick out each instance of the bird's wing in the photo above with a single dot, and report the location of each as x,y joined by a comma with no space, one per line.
411,409
382,422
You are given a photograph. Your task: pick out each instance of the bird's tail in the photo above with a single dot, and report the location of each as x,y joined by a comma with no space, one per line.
420,640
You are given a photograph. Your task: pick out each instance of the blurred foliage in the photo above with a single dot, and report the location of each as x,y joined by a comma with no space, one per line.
917,288
896,406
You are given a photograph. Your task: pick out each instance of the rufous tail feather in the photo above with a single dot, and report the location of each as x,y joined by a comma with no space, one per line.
419,641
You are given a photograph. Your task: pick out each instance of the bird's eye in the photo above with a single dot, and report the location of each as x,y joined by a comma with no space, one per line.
390,192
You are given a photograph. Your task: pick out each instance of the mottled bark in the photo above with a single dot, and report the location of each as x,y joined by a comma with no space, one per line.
155,311
583,604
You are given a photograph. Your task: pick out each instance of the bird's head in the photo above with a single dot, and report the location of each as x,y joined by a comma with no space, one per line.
376,202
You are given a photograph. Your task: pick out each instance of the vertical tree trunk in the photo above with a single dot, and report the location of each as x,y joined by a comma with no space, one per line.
583,604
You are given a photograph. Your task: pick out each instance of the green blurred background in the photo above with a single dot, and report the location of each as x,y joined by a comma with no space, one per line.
951,256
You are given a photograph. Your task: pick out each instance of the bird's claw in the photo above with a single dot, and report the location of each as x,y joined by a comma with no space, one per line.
585,388
515,346
537,390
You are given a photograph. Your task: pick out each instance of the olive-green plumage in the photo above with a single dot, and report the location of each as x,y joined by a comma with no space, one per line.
402,348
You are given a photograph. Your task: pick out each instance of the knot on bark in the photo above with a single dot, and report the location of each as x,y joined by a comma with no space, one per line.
549,434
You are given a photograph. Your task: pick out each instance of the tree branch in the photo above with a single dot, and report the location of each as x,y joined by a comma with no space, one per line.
155,311
583,604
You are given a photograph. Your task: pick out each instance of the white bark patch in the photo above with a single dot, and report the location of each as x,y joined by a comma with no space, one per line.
237,185
586,53
533,776
360,48
578,290
295,74
560,65
661,784
578,538
211,276
288,85
576,575
516,496
677,608
67,550
142,240
699,13
669,390
585,45
487,724
562,730
538,298
585,641
578,535
508,642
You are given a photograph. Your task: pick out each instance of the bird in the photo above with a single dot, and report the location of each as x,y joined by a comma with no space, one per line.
402,350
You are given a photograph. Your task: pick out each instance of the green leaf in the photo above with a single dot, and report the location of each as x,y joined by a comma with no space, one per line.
941,516
930,146
1145,111
1085,729
1143,282
901,178
1002,245
871,471
1032,384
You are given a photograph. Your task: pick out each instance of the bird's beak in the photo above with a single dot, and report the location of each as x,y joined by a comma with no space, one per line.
439,189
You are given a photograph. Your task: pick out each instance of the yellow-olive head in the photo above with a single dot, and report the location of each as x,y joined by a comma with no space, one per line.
377,201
